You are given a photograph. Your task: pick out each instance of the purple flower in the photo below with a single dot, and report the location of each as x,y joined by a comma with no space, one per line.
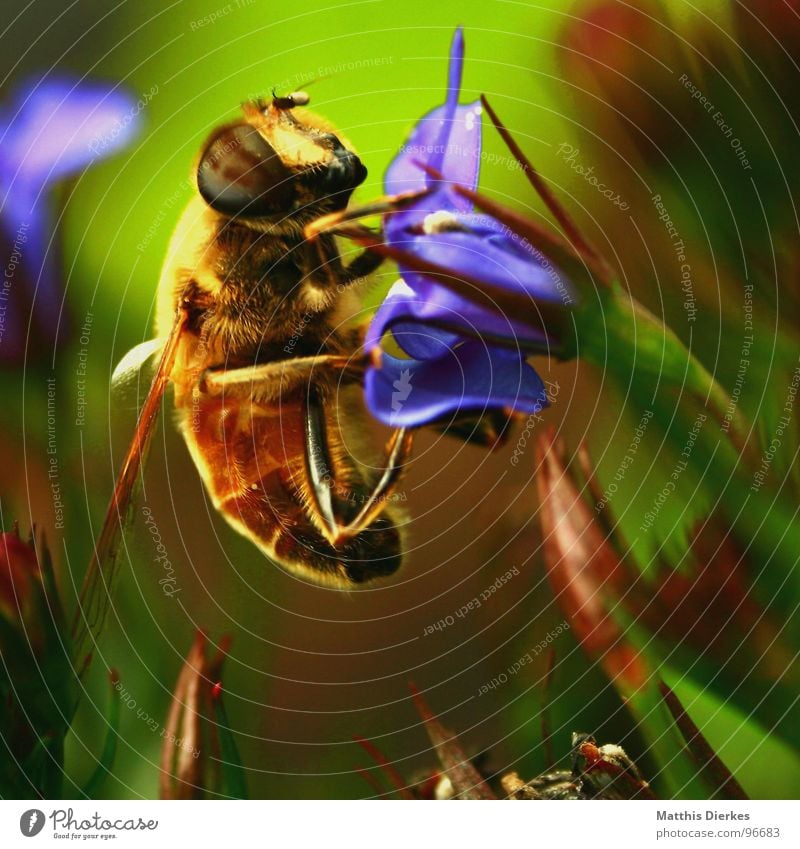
462,357
50,129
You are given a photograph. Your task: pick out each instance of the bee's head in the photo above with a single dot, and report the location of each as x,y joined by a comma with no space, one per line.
278,161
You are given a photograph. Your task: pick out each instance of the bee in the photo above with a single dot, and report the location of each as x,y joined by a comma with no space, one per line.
251,329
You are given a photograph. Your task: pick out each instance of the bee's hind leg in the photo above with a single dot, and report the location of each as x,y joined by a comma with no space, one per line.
397,453
337,526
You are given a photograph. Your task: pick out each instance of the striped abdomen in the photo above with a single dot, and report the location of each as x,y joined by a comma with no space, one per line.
252,457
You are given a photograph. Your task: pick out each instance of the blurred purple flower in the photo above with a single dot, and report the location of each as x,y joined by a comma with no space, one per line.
463,357
50,129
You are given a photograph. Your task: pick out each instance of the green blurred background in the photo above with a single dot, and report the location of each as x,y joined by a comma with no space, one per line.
309,668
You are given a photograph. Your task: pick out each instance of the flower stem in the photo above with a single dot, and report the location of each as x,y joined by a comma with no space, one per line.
625,337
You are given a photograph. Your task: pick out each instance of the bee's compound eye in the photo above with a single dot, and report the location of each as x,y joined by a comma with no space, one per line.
344,172
241,174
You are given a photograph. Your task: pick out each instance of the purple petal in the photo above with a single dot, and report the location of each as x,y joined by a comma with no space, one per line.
463,242
35,293
57,126
16,287
433,318
403,312
454,73
447,139
497,261
461,150
473,378
52,129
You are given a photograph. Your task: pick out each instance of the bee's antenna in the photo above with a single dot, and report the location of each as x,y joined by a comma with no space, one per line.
313,80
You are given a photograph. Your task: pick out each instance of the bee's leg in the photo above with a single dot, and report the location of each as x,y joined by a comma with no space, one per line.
330,270
397,452
277,377
345,223
338,528
388,203
362,266
489,430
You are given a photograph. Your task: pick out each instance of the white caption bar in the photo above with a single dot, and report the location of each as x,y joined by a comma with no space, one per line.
387,824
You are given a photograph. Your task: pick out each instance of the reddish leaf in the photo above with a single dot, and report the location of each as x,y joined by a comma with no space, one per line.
466,780
580,562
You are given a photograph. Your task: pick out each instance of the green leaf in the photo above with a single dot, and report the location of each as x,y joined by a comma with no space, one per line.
95,783
765,766
234,781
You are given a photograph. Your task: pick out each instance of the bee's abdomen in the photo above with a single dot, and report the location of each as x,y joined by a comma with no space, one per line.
251,457
374,553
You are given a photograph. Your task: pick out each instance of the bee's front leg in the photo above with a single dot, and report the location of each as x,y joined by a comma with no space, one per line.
336,223
344,223
362,266
331,274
